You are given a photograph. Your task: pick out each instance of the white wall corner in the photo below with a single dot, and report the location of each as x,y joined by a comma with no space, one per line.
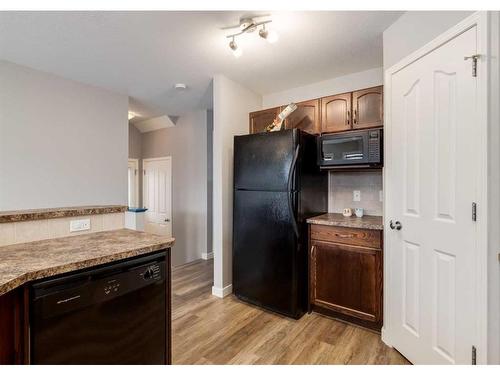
222,292
207,256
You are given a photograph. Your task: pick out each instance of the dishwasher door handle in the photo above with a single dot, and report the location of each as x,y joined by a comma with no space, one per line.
68,299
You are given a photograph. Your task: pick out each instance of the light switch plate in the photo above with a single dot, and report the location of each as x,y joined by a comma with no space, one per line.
356,195
79,225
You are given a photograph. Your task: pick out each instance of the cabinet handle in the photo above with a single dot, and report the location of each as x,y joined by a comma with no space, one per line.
313,250
344,235
354,120
348,117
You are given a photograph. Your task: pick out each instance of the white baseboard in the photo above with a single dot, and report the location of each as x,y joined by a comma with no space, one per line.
207,256
222,292
383,336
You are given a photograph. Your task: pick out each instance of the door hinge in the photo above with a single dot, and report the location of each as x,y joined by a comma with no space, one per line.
135,172
474,211
144,172
474,355
474,59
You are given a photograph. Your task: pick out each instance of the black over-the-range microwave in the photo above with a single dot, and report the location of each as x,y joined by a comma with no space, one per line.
352,149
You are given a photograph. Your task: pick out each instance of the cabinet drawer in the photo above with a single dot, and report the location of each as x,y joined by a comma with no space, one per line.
350,236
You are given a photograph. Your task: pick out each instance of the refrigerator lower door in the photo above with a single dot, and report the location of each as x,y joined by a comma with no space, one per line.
265,263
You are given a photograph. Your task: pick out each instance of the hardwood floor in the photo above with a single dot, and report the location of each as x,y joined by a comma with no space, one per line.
210,330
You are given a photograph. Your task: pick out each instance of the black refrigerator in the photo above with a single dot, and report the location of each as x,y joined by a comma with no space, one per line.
277,186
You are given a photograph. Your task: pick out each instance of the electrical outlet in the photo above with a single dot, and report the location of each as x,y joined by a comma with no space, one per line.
356,195
381,195
79,225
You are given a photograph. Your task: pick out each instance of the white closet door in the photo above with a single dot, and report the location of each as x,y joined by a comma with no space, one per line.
432,187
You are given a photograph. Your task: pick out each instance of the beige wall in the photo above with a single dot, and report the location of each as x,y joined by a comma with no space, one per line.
186,143
232,103
414,29
62,143
337,85
135,152
134,142
27,231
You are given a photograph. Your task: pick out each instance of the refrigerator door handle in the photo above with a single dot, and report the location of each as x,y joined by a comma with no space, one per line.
290,180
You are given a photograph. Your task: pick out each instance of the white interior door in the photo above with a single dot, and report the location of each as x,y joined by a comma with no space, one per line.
157,195
133,182
431,184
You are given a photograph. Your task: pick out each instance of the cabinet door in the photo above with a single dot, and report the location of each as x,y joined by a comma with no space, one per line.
346,279
336,113
305,117
368,108
261,119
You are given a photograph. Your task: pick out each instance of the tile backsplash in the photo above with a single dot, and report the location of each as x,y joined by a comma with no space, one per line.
342,184
35,230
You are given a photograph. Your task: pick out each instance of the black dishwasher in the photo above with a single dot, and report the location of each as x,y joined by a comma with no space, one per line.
111,314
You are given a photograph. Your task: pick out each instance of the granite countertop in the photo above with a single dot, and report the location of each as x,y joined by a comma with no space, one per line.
53,213
29,261
339,220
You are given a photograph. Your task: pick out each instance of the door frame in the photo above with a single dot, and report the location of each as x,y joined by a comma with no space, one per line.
145,160
480,21
136,179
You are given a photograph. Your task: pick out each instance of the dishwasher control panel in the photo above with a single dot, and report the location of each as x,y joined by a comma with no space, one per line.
133,279
152,272
111,286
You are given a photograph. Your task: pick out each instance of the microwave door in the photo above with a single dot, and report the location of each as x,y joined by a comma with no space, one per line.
344,150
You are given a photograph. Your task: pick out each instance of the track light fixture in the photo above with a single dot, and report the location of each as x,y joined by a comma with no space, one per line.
249,25
237,51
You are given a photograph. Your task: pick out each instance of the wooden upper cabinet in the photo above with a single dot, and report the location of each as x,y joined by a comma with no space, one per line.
336,113
368,108
261,119
306,117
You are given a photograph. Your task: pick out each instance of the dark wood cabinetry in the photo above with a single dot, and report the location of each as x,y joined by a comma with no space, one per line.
336,113
306,117
261,119
345,275
13,327
367,108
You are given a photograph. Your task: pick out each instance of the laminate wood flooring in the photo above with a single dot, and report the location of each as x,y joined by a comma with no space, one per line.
210,330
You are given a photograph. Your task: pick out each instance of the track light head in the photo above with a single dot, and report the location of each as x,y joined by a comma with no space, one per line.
237,52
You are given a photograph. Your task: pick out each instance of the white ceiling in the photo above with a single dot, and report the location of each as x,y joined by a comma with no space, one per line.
143,54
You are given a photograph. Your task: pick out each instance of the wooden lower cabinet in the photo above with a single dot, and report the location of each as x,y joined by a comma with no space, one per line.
345,280
14,327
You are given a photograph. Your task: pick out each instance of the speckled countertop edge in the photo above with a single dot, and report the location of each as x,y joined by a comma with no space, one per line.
54,213
339,220
22,263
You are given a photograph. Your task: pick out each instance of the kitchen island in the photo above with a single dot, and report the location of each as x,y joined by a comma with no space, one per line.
22,264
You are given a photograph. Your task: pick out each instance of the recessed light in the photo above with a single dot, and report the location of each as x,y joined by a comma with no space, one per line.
180,86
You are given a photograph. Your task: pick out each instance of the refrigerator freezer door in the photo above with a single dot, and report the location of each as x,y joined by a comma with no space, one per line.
265,256
263,161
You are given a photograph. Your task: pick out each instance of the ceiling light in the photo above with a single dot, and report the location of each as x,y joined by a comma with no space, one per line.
249,25
270,35
237,51
180,86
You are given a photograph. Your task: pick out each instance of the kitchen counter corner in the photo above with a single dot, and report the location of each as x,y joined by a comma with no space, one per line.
30,261
339,220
